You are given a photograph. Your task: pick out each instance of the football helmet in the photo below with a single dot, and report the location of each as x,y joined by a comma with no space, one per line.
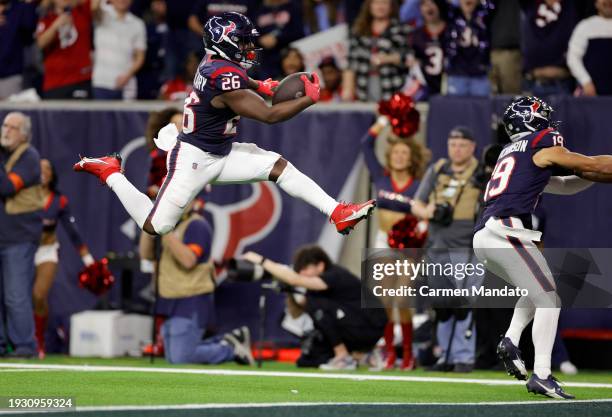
232,36
527,114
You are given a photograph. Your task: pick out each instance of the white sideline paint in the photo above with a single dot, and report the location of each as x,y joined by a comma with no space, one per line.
298,404
319,375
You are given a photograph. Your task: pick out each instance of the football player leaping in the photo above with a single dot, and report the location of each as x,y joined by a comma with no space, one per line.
205,151
526,168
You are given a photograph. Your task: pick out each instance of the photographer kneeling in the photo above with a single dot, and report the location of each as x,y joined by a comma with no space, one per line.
186,285
333,301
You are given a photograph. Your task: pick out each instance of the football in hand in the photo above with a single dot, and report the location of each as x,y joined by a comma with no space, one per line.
291,87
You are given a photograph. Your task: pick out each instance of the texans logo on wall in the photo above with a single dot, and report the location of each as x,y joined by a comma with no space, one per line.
256,217
244,222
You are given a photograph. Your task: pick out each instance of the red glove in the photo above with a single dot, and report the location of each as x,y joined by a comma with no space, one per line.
265,87
312,88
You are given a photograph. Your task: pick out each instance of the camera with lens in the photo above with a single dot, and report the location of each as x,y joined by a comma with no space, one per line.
241,270
245,271
443,214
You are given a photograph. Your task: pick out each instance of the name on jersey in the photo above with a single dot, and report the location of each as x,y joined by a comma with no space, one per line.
199,82
388,195
519,146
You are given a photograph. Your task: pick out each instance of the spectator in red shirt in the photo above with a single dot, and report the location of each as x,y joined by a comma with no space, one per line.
180,87
64,36
332,80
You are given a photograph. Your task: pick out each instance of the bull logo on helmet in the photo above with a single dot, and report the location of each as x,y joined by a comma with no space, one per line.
527,112
524,111
220,32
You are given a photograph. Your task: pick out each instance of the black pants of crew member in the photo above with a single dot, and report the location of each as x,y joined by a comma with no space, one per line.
357,331
491,324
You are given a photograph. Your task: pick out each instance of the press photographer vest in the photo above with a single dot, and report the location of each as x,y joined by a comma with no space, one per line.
175,281
460,190
26,200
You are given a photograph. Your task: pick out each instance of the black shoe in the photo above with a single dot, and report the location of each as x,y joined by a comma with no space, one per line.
441,367
510,355
549,387
463,368
240,340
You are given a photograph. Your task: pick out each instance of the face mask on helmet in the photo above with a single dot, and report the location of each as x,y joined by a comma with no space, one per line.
249,54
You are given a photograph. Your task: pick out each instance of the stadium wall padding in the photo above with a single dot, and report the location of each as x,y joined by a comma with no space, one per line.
323,144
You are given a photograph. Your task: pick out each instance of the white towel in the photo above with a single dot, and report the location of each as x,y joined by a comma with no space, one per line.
166,138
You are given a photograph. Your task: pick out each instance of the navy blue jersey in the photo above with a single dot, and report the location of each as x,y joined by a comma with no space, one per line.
468,42
389,195
546,31
429,50
517,183
204,126
57,210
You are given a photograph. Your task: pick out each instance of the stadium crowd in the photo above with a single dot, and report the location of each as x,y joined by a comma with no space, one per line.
148,49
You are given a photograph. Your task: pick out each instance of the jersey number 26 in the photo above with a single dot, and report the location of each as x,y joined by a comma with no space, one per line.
189,116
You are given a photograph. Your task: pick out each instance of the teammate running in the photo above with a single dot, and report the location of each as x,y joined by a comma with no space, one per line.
526,168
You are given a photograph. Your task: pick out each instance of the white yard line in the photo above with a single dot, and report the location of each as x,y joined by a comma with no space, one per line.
309,404
22,370
319,375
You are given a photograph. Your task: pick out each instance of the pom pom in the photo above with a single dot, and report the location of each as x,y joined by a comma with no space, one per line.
407,233
402,114
96,277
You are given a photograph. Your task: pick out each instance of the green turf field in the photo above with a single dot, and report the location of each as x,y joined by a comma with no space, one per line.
135,382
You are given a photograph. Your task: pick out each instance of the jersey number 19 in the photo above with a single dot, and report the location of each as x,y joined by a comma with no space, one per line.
500,178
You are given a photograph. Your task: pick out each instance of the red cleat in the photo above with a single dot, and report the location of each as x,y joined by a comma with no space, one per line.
347,215
408,364
100,167
391,359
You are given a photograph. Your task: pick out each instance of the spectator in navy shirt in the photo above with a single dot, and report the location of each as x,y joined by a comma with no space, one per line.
546,29
205,9
181,40
150,75
589,55
280,23
17,25
21,203
427,44
468,46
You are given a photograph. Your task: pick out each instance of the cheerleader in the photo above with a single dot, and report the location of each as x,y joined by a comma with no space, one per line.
395,183
56,210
